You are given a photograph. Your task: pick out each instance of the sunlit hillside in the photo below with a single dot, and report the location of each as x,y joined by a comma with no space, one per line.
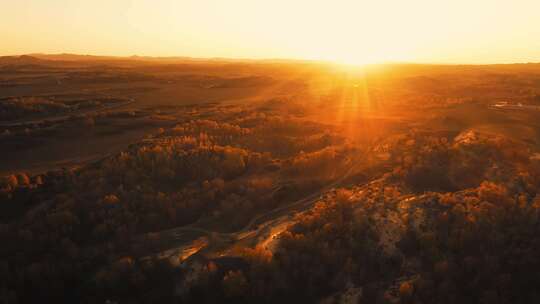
187,181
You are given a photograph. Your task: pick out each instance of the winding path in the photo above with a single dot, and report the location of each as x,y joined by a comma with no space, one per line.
59,118
256,227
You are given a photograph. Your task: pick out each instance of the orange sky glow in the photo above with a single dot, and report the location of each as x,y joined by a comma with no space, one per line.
457,31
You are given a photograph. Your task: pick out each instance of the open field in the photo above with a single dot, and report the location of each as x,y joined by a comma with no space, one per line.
138,180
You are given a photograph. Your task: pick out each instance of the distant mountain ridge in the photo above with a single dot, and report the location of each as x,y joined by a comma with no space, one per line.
66,60
69,59
21,60
165,59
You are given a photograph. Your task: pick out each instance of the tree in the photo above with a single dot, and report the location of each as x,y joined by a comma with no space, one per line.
234,284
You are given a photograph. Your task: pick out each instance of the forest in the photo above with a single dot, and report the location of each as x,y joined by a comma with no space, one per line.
288,183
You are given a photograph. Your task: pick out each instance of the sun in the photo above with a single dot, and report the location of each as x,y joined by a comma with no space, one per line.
358,59
352,62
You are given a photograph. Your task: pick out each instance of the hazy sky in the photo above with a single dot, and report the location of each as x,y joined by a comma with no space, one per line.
478,31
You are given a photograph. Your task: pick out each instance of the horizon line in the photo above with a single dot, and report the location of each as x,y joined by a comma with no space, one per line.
283,59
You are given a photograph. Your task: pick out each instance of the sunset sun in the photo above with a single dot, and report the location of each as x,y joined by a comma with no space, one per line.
355,32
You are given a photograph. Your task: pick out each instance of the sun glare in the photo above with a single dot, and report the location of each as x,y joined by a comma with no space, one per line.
344,31
357,60
352,62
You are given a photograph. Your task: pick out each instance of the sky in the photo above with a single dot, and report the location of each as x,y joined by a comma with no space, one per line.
436,31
